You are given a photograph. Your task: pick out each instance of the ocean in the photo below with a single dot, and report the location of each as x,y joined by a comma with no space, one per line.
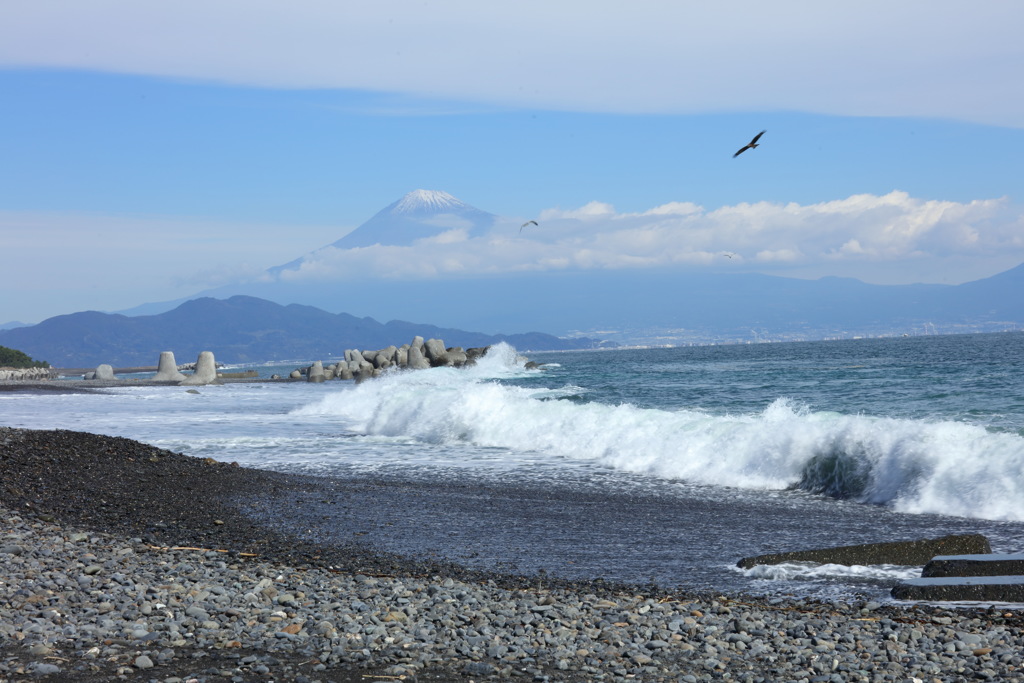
661,466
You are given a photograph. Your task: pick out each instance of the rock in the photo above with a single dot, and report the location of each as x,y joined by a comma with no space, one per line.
167,369
316,372
905,553
104,372
977,588
402,356
205,372
344,372
45,669
974,565
295,374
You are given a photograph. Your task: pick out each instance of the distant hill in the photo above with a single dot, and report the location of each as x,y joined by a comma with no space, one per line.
241,329
684,305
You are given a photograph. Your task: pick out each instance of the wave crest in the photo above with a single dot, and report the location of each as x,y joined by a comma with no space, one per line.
911,465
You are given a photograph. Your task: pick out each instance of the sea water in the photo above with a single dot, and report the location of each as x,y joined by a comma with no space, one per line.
664,465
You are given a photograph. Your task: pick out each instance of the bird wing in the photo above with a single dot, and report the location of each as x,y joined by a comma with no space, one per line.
525,224
750,144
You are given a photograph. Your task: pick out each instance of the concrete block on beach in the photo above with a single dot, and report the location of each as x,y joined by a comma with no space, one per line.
419,355
435,352
961,589
205,372
907,553
416,360
28,373
104,372
990,564
385,357
167,368
316,372
456,356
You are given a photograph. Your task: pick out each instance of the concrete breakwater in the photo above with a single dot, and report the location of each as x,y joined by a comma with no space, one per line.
419,354
973,574
27,373
357,365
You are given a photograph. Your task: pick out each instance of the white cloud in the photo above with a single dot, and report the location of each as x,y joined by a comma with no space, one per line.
589,211
57,263
866,232
941,58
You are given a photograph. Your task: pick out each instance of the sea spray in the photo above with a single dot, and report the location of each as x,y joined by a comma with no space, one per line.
911,465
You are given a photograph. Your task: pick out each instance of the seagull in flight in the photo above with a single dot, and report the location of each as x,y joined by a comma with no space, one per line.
750,145
525,224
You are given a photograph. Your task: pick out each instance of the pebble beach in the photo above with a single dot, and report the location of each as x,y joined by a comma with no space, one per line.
121,561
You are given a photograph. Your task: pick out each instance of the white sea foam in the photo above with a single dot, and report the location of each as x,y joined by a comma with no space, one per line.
915,466
808,571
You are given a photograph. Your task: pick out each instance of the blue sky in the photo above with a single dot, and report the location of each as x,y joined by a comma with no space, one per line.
150,152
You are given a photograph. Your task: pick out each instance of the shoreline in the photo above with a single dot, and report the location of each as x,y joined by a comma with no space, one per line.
84,386
134,503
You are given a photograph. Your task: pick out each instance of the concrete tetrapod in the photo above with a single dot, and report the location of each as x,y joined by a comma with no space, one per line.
205,372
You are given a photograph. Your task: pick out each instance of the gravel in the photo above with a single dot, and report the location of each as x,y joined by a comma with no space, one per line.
120,561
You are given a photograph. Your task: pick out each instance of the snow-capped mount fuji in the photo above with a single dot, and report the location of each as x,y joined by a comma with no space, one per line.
428,201
417,215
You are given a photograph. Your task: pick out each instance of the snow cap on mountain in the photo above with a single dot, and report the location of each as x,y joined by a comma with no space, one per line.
428,200
418,215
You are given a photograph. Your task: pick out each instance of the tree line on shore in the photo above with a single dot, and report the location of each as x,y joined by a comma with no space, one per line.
12,358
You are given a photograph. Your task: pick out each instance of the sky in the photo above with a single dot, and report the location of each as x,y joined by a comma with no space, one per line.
149,151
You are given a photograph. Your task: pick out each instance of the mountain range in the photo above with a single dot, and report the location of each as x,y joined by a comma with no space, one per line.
240,329
624,306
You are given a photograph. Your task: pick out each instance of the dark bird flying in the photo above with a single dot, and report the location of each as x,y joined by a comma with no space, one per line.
750,145
525,224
